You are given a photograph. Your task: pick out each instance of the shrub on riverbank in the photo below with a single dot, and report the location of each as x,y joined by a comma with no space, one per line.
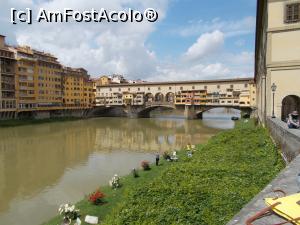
208,189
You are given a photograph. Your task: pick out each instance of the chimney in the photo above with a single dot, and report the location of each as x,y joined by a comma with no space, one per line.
2,41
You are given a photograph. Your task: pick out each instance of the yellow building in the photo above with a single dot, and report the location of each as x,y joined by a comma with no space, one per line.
89,94
102,81
48,82
191,97
25,79
277,58
128,98
77,88
38,80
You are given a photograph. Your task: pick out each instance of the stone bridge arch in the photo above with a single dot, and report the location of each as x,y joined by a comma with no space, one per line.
244,110
145,112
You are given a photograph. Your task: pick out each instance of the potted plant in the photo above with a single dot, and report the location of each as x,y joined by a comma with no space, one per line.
96,197
115,182
69,213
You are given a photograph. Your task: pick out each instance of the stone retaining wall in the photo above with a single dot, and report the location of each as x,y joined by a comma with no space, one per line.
287,139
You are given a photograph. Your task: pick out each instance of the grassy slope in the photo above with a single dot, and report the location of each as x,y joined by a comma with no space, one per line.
113,197
208,189
211,188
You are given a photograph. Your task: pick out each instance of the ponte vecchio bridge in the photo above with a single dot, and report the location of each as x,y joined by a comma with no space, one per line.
195,97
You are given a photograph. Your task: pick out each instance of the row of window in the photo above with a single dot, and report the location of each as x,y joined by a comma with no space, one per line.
181,88
53,79
6,54
8,104
56,86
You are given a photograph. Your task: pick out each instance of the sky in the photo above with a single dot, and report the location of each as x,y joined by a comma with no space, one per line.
191,40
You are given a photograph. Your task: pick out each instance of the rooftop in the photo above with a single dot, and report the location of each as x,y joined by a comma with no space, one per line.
250,80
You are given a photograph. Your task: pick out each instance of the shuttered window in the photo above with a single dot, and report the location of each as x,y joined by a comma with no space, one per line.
292,13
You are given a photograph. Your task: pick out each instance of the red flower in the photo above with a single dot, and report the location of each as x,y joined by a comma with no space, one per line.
96,197
145,165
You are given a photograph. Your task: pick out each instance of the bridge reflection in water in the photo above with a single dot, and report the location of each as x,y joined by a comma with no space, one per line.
44,165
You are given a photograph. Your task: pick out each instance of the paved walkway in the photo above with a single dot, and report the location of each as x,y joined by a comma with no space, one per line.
286,180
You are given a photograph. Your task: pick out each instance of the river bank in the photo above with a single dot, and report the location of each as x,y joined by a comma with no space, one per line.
210,188
22,122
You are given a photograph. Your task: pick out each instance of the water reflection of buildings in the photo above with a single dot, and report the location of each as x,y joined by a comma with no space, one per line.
151,135
34,157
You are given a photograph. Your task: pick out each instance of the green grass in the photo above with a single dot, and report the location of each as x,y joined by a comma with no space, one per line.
208,189
22,122
113,197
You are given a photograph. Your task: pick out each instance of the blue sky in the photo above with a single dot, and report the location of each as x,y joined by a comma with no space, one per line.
193,39
183,13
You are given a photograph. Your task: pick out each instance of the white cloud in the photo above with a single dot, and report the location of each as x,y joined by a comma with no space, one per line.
206,44
121,47
188,72
102,48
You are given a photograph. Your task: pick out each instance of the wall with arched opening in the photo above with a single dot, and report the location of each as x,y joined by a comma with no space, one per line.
159,97
170,97
149,97
289,104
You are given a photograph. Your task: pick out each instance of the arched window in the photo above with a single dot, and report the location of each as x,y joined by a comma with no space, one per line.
289,104
159,97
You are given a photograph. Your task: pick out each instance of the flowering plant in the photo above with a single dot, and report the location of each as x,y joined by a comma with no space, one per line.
96,197
68,211
115,182
145,165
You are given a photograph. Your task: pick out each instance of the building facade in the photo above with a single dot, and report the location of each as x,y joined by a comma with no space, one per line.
7,79
231,92
38,80
277,58
77,88
33,81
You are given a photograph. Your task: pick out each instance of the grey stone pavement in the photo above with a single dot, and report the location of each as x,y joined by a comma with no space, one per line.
286,181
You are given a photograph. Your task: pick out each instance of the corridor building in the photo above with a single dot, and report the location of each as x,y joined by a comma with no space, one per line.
277,58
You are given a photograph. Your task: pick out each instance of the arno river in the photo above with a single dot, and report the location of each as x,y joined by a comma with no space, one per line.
42,166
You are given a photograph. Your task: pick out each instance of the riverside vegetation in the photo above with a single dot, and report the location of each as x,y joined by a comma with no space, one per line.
207,189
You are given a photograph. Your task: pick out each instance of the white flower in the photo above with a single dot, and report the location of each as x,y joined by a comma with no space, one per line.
72,208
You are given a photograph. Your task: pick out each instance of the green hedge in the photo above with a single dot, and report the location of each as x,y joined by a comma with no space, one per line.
208,189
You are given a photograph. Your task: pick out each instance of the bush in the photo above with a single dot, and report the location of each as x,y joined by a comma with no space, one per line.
145,165
96,197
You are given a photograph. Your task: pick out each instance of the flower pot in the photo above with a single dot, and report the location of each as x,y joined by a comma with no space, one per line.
66,221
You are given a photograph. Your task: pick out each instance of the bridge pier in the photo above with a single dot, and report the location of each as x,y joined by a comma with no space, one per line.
190,112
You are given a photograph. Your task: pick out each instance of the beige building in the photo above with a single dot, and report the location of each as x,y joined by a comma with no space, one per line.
277,57
229,92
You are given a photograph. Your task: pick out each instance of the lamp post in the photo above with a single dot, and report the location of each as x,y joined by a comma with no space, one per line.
273,87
